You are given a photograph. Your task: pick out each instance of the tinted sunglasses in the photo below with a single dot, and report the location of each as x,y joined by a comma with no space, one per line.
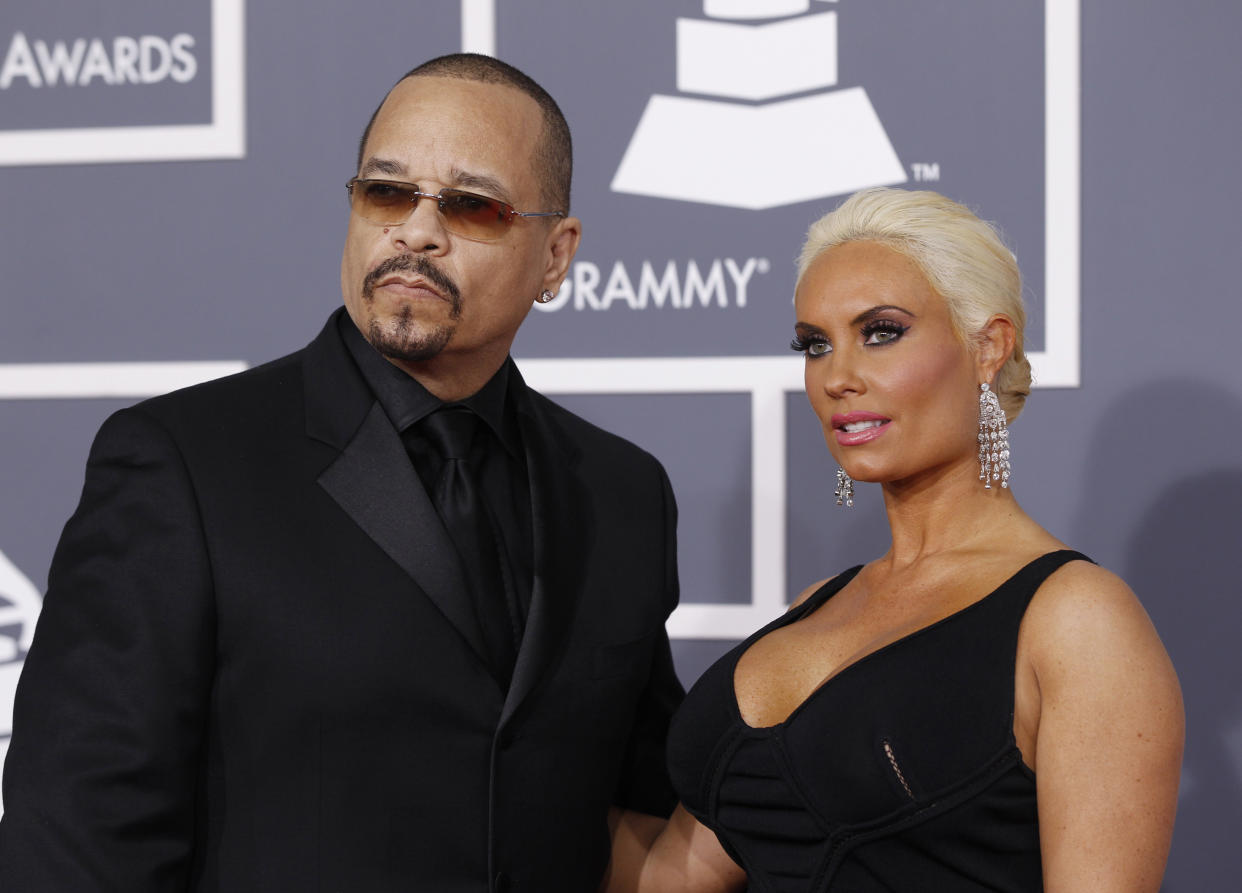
391,202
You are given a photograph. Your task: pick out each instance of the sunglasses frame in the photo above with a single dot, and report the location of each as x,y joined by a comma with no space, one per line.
503,221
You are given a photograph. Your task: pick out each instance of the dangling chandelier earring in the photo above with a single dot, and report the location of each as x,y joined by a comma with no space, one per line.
993,440
845,488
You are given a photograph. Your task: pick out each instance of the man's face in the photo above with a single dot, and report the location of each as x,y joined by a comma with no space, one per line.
427,298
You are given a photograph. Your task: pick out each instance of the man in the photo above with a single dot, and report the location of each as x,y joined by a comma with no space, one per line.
300,635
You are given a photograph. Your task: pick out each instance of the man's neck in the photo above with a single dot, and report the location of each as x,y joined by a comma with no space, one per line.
452,378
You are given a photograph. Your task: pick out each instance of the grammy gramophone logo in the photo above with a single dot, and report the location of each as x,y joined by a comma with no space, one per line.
19,608
827,142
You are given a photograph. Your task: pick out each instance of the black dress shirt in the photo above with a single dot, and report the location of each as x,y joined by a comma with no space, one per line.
496,456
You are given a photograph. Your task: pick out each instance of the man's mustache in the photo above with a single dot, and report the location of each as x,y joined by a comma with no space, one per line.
420,266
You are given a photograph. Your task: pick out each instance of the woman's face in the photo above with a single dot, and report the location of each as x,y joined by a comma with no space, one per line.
895,389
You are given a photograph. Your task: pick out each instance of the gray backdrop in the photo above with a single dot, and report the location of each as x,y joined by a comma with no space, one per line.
167,233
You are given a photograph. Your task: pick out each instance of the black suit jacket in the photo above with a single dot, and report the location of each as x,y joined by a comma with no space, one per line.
256,670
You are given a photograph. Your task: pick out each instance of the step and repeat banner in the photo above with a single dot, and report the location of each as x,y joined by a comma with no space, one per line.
172,181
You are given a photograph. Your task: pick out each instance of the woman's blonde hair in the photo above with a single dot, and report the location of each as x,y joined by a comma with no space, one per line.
963,258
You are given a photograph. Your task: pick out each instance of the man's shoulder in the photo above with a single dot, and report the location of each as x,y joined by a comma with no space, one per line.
252,390
265,388
216,421
583,435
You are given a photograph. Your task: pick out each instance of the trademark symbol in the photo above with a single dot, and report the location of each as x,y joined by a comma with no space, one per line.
763,265
926,173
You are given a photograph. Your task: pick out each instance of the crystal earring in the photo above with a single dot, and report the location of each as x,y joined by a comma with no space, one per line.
845,488
545,296
993,440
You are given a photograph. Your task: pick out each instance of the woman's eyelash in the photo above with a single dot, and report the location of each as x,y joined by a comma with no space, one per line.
877,332
804,345
890,329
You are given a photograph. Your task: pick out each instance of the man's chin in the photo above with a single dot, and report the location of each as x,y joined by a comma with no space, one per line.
407,344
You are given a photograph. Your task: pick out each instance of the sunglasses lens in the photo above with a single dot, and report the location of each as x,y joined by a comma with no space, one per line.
465,213
381,201
474,216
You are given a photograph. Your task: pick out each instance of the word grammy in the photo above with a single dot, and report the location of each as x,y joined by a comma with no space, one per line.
127,60
724,283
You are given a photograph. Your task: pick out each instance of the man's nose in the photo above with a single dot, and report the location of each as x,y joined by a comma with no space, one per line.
423,231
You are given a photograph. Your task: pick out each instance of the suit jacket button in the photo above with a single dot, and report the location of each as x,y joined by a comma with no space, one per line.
501,884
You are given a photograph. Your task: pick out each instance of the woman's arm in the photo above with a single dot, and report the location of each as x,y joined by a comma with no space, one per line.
1109,738
680,855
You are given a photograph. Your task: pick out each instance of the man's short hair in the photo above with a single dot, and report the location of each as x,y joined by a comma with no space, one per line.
554,155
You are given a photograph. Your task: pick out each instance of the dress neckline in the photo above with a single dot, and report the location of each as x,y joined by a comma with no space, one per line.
827,591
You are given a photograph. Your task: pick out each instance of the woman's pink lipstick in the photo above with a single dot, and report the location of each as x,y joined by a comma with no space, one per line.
854,428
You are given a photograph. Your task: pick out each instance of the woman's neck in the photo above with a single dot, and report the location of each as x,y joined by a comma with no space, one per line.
946,510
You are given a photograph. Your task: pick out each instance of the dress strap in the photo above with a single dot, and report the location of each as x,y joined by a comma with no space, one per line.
830,588
1032,576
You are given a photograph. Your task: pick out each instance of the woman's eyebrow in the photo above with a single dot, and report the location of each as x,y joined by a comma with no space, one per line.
868,315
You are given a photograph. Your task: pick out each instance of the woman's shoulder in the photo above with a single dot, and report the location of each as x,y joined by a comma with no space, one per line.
1084,617
1081,595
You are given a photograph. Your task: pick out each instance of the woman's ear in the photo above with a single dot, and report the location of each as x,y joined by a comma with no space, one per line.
995,346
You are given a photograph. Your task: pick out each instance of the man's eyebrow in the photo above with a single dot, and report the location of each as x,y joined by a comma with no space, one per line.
460,179
868,315
482,182
382,166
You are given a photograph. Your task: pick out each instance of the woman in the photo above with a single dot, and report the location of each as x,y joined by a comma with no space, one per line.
977,709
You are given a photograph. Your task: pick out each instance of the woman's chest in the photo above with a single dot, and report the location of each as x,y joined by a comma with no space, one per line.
781,670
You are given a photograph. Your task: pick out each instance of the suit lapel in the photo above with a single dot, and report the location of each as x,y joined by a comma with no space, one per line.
373,481
563,528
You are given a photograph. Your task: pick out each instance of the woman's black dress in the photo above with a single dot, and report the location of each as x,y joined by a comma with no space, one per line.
899,773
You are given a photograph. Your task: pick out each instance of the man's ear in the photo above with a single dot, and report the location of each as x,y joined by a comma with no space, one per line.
562,246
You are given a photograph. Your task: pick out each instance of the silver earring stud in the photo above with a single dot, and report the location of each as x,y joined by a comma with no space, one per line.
545,296
993,440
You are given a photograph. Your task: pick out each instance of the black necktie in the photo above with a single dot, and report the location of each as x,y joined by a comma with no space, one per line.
457,497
